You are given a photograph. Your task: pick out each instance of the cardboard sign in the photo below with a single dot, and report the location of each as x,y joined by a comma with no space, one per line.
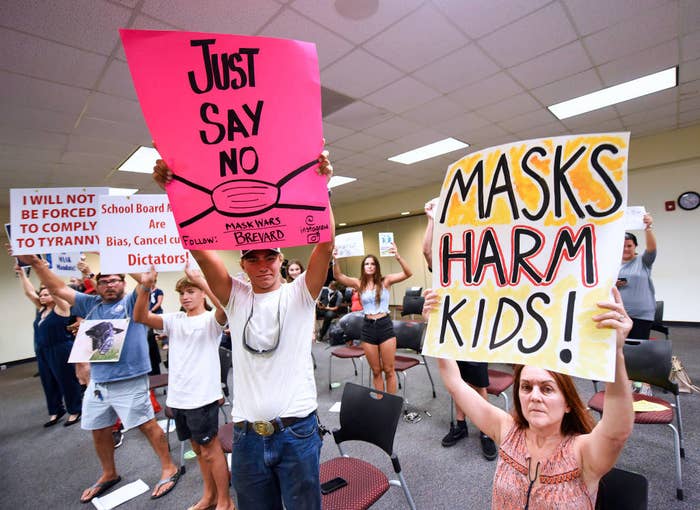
528,238
349,245
634,217
99,341
54,220
136,232
239,122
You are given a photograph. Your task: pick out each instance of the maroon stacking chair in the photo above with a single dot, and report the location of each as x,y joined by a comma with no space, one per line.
649,361
499,382
351,324
370,416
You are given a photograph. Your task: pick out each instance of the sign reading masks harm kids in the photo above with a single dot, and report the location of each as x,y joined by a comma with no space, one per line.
238,120
528,238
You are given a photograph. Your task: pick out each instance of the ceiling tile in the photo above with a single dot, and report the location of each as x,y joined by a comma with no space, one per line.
22,90
643,31
35,118
131,132
117,81
402,95
528,120
689,16
640,64
689,117
647,128
291,25
544,131
552,66
514,105
649,115
689,71
417,40
94,145
689,103
92,26
462,67
39,58
393,128
332,133
23,137
690,46
219,16
486,91
648,102
590,122
358,116
33,154
358,74
592,15
476,17
357,30
537,33
438,110
359,142
568,88
144,23
457,125
113,108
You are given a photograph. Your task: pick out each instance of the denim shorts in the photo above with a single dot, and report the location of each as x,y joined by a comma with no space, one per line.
128,399
376,331
283,467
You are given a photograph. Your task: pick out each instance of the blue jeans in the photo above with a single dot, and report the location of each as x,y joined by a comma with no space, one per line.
282,467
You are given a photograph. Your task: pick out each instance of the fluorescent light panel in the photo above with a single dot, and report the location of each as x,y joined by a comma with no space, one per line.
617,94
429,151
141,161
337,180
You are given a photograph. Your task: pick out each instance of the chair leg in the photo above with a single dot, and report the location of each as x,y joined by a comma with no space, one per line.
680,424
427,369
677,455
505,397
183,468
404,488
330,366
354,365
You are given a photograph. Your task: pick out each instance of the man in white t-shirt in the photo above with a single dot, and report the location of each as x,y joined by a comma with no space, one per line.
276,440
194,385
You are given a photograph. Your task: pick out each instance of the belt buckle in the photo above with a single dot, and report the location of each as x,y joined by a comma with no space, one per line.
263,428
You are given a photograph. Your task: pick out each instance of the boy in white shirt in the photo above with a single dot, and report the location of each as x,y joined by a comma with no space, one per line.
194,385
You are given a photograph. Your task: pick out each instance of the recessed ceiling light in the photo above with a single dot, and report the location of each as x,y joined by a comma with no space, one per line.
337,180
122,192
342,224
142,160
405,213
429,151
617,94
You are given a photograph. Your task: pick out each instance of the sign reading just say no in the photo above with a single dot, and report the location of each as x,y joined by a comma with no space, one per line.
238,120
528,239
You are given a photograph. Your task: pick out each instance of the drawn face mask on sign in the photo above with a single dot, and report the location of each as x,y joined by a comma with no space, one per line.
247,197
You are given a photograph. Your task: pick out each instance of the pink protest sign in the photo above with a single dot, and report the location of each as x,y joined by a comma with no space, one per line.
238,120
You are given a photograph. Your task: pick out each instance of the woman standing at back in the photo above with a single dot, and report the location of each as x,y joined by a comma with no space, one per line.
378,338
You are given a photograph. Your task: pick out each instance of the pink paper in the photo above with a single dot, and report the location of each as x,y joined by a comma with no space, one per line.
244,144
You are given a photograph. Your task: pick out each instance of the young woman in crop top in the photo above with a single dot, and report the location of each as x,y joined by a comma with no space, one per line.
378,338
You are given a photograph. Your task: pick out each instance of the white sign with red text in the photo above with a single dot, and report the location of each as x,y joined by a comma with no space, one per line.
54,220
139,231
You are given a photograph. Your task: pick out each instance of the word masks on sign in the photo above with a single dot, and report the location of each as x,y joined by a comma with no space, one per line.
137,232
50,220
240,126
528,238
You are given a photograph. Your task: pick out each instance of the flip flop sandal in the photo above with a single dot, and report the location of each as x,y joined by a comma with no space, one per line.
102,488
173,479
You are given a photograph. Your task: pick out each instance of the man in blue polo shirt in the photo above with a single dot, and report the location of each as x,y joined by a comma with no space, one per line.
118,389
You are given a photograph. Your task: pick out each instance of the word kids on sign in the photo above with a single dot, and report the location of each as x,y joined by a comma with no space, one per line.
239,123
137,232
54,220
528,238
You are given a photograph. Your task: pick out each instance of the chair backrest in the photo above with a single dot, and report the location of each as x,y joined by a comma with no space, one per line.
659,313
347,295
649,361
369,415
323,296
409,335
352,325
622,490
412,302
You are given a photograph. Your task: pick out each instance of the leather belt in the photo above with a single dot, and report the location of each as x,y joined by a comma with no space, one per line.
267,428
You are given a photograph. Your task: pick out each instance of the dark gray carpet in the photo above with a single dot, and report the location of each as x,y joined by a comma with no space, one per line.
48,468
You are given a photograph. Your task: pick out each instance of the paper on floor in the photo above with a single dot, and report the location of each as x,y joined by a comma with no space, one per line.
335,408
121,495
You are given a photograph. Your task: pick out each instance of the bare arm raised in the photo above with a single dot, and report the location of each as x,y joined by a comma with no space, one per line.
57,287
27,286
601,448
196,276
142,313
405,273
339,277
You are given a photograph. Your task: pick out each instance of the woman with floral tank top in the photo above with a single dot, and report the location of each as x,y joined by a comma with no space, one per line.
550,454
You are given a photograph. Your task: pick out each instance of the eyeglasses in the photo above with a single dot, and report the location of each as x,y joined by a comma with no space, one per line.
252,349
108,283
